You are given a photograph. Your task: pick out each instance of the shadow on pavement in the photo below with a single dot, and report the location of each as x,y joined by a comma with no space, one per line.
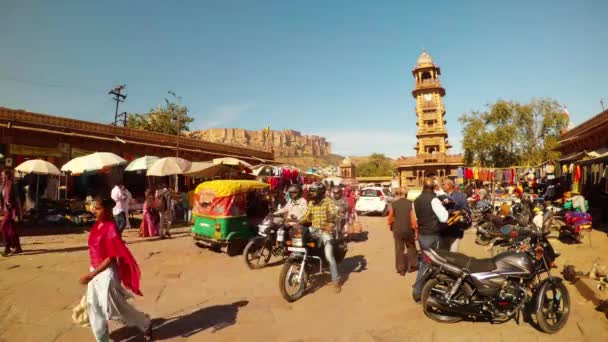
356,264
215,317
27,251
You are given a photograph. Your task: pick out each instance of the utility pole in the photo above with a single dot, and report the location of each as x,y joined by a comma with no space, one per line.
602,103
179,121
118,97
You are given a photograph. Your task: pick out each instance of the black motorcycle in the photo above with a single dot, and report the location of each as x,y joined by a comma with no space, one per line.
307,260
269,242
499,288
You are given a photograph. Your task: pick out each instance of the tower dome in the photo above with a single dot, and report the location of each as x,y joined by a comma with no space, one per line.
347,162
424,59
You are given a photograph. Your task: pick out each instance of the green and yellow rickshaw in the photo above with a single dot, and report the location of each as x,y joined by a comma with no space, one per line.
223,216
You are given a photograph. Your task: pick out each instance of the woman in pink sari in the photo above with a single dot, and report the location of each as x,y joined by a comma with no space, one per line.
11,208
111,264
150,220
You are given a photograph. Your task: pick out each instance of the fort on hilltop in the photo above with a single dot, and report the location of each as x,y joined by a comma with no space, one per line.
286,143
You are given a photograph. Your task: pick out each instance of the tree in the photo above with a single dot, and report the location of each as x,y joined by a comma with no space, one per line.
162,119
510,133
378,165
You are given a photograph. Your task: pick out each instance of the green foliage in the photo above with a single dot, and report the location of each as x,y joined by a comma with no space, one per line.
377,165
510,133
162,119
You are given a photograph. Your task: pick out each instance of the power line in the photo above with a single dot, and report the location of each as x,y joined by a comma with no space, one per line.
45,84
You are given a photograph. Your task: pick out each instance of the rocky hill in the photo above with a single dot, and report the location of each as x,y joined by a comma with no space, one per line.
306,162
287,143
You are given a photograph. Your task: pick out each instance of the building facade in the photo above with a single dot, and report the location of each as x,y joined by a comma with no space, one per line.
25,135
432,147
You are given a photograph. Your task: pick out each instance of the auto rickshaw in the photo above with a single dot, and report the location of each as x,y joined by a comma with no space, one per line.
223,216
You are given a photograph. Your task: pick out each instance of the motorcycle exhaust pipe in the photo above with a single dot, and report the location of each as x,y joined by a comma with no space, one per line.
459,309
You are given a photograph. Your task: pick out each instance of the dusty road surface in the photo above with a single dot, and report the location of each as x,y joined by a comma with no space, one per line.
195,294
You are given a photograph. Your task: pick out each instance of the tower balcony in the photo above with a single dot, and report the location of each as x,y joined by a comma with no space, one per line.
431,116
431,131
428,106
428,84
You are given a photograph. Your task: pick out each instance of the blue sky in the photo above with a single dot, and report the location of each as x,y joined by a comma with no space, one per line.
341,69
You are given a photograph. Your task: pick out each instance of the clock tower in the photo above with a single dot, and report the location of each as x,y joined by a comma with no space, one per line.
428,92
432,146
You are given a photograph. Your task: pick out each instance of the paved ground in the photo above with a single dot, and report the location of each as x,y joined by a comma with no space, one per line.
198,295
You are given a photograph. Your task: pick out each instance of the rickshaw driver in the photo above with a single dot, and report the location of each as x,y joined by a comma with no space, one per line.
296,207
321,214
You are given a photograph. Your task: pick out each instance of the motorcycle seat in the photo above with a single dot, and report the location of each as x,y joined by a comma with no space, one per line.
474,265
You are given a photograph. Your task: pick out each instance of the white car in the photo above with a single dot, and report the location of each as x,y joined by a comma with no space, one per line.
374,200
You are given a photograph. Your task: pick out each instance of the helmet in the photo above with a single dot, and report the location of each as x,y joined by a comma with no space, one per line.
295,191
336,193
317,191
517,209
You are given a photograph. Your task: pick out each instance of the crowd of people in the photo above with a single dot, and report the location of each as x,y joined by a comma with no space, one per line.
434,220
327,211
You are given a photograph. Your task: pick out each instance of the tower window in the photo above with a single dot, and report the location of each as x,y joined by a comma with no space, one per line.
426,76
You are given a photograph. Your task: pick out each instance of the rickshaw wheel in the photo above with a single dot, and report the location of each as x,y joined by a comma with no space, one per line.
235,247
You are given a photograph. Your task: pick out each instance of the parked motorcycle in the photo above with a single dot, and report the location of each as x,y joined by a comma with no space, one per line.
489,226
499,288
307,260
269,242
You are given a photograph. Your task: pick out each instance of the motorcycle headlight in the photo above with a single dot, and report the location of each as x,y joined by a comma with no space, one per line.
297,242
262,227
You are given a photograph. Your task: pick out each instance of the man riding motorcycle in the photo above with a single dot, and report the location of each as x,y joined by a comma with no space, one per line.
321,215
297,205
342,208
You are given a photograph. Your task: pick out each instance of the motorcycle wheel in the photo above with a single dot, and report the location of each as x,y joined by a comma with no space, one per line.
439,286
257,253
291,289
553,308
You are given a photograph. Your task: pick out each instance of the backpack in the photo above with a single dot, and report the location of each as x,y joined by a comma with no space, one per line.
162,203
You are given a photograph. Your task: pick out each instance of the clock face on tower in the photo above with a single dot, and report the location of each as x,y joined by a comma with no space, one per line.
427,97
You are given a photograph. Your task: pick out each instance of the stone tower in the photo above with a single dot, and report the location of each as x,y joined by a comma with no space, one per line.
432,158
428,92
348,169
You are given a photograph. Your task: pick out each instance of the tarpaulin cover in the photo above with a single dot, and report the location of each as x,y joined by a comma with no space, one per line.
222,188
223,197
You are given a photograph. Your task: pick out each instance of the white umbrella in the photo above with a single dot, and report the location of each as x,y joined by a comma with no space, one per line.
232,161
169,166
93,162
38,167
142,163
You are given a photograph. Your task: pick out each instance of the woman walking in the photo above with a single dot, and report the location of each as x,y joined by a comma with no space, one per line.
111,264
11,208
150,219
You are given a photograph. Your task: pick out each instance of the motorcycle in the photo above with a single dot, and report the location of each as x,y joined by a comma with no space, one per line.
490,226
307,260
497,289
269,242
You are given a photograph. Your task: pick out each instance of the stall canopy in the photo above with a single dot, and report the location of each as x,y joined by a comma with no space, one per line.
233,162
169,166
38,167
92,162
142,163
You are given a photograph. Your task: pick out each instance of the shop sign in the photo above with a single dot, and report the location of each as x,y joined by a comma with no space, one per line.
23,150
